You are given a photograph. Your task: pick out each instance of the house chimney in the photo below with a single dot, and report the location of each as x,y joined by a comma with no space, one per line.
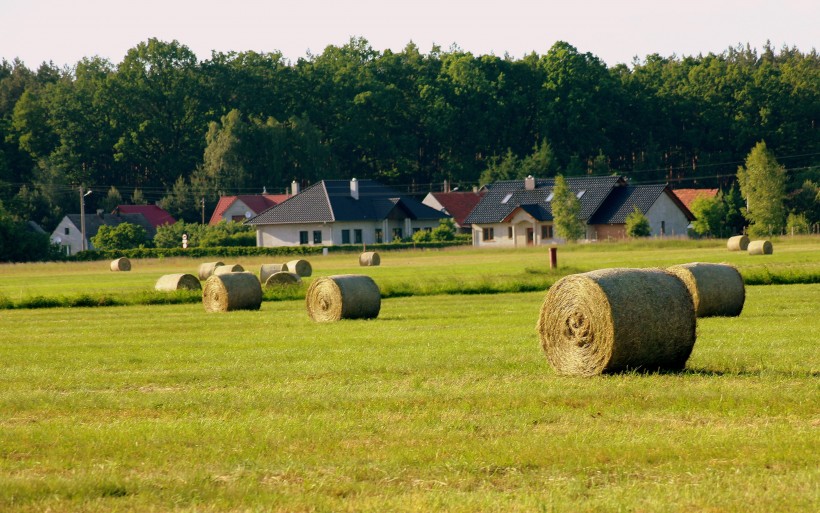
529,183
354,189
446,186
100,213
294,188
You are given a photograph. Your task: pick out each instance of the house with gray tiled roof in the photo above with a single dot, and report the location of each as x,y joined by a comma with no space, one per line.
517,213
333,212
68,234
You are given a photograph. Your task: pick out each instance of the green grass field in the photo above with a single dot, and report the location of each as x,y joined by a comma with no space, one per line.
442,403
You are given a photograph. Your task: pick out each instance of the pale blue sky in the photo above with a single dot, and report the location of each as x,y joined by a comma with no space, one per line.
64,31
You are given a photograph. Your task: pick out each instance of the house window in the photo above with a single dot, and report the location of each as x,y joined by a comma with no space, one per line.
488,234
509,232
507,198
549,198
581,194
317,236
416,229
66,230
357,236
303,237
379,236
546,232
345,236
663,227
397,234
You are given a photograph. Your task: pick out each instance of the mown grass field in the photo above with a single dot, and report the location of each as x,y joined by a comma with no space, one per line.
442,403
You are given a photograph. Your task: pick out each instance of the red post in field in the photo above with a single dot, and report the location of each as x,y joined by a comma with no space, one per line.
553,257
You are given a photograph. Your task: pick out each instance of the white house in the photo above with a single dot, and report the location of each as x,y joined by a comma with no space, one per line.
68,234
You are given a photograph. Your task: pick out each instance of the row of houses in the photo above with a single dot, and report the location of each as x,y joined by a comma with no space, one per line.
512,213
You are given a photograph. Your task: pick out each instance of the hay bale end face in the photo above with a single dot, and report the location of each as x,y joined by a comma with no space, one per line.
369,258
225,269
282,279
717,289
346,296
179,281
206,270
121,264
760,247
613,320
267,270
232,291
737,243
300,267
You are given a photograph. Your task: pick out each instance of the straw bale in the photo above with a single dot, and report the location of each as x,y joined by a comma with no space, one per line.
345,296
206,270
282,279
180,281
232,291
760,247
613,320
300,267
737,243
717,289
369,258
229,268
121,264
267,270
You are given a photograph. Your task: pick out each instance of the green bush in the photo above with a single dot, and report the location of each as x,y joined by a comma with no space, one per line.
122,236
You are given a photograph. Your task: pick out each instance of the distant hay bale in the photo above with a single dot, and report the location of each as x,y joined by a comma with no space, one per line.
121,264
369,258
613,320
346,296
225,269
206,270
760,247
282,279
268,270
232,291
717,289
737,243
179,281
300,267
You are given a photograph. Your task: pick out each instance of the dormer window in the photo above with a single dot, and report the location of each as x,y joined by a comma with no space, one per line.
549,198
507,198
580,193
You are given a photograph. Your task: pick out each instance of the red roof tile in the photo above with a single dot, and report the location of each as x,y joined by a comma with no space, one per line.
257,203
459,204
687,196
152,213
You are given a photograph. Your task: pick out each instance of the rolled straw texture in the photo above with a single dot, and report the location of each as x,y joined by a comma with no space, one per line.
737,243
717,289
267,270
206,270
282,279
369,258
232,291
613,320
179,281
121,264
300,267
760,247
345,296
225,269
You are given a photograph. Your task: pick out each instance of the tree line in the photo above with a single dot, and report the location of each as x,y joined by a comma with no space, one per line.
164,126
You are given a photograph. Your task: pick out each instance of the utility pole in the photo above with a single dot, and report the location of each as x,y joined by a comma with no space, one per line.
202,202
83,194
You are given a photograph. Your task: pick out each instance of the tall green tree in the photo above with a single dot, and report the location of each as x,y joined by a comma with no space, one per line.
763,185
566,209
122,236
710,215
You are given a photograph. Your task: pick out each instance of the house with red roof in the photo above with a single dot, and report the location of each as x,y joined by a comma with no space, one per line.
155,215
687,196
244,206
455,204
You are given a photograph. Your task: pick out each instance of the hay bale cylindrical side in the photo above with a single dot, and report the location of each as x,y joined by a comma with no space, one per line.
737,243
300,267
268,270
206,270
760,247
717,289
232,291
229,268
180,281
369,258
282,279
345,296
613,320
121,264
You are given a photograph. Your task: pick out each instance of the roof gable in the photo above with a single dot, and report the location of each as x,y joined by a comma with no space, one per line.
256,204
152,213
687,196
623,201
459,204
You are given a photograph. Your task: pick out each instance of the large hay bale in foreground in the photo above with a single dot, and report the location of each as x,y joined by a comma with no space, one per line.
300,267
717,289
369,258
232,291
613,320
206,270
345,296
282,279
268,270
229,268
121,264
180,281
760,247
737,243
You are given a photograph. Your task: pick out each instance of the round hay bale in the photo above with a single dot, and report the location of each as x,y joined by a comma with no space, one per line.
613,320
760,247
179,281
268,270
206,270
717,289
737,243
345,296
369,258
121,264
282,279
227,269
232,291
300,267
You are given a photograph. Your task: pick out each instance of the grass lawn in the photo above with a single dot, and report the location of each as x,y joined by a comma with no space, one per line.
441,403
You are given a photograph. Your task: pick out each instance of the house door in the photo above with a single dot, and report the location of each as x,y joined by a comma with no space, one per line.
530,237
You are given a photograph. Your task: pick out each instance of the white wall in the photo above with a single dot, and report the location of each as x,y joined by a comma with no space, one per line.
73,241
237,208
288,234
674,221
520,223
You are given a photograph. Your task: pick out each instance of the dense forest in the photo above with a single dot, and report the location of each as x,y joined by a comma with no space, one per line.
164,126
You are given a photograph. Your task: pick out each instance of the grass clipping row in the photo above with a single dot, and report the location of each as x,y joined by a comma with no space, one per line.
717,289
232,291
613,320
345,296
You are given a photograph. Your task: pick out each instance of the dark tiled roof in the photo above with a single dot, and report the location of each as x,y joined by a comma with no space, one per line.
623,201
94,221
459,204
330,200
494,209
154,214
